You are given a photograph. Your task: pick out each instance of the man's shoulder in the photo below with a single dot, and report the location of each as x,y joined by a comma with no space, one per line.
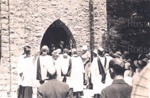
108,88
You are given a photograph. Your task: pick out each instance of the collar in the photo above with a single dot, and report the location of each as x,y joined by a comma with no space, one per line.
118,81
27,56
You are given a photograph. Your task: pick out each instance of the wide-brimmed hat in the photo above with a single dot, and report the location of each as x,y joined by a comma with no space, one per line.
117,54
84,47
140,63
148,55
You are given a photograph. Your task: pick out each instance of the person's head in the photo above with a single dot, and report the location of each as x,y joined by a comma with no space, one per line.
116,67
65,51
101,51
117,54
52,45
44,50
95,53
58,51
74,52
54,54
62,43
84,48
140,63
27,50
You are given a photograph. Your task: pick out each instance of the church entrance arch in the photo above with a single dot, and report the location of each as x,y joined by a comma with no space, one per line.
56,33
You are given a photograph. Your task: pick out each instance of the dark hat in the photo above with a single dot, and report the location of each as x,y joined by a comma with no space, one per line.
140,63
148,55
117,54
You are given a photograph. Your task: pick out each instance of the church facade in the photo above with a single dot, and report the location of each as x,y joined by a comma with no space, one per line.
39,22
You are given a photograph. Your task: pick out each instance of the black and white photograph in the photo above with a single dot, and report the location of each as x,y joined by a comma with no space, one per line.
74,48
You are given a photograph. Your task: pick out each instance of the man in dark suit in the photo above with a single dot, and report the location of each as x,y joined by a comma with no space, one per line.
118,89
53,88
61,46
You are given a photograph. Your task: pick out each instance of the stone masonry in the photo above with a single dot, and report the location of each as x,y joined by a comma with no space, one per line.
25,21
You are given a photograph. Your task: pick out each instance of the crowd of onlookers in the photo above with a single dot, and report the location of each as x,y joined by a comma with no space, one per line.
66,73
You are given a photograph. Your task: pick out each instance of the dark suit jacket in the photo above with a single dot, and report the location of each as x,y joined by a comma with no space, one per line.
53,89
118,89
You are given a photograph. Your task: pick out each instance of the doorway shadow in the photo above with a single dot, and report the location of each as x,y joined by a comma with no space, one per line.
56,33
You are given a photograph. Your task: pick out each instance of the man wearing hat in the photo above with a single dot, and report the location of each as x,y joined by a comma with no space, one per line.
119,88
53,88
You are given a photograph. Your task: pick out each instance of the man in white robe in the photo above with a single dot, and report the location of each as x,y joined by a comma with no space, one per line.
25,72
44,61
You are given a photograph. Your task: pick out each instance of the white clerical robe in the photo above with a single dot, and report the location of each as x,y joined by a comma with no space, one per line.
26,67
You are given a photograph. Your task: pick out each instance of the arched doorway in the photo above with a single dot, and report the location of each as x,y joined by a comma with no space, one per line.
57,32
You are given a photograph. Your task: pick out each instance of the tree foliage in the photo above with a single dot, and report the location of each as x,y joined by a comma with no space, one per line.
128,26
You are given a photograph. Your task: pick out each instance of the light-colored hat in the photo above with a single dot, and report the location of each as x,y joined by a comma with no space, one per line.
84,47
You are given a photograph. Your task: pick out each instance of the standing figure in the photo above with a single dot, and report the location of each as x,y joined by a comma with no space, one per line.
86,61
119,88
77,74
52,48
25,71
44,61
63,66
61,46
97,74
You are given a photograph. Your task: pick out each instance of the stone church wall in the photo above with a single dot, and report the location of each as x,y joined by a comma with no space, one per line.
26,21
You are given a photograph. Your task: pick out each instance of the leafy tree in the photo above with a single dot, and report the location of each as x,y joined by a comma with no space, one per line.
128,27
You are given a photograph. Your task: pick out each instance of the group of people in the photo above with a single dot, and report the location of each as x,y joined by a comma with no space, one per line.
61,75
